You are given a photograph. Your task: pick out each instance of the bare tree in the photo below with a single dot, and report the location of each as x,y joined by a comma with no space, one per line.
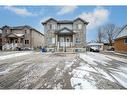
100,35
110,31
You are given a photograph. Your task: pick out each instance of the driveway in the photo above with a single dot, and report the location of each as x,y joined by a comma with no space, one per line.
100,71
36,70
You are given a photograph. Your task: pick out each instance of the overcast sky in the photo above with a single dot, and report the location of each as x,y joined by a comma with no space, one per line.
34,15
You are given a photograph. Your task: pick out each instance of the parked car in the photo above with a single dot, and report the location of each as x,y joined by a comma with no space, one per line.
111,49
94,49
43,50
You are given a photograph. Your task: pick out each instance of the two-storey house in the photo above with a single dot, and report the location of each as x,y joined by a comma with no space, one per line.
65,35
21,37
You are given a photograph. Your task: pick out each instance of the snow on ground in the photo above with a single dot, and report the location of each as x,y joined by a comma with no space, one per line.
98,63
13,55
10,67
78,83
117,58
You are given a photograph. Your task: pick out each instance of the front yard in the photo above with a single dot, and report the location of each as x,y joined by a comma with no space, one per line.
36,70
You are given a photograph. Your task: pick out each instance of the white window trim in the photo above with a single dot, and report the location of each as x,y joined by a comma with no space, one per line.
52,27
78,42
52,39
79,26
124,40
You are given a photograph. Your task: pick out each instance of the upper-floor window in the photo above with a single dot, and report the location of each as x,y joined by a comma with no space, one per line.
77,40
51,26
79,26
25,31
6,31
26,41
125,40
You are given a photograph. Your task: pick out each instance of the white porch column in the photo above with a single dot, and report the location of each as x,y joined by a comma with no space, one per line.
18,42
73,39
57,42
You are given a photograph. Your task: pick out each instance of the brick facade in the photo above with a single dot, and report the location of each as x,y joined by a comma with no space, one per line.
120,45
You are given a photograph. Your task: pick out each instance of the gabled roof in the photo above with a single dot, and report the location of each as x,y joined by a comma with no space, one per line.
122,33
49,20
20,28
67,32
15,35
65,21
81,20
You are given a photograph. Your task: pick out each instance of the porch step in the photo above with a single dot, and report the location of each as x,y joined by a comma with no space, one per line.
67,50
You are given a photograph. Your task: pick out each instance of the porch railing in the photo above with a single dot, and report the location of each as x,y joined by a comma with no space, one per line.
65,44
11,46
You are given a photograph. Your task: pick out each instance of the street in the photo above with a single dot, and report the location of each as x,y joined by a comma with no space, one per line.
36,70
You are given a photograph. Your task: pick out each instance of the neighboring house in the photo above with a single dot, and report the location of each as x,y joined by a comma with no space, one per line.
65,35
120,43
0,40
96,46
21,37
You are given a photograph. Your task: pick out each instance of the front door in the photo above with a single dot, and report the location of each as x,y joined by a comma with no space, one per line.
61,41
68,40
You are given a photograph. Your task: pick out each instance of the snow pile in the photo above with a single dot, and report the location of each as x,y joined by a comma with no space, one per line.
13,55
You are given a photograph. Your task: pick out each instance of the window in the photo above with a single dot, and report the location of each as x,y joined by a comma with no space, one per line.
51,26
6,31
77,40
16,41
25,31
67,40
26,41
79,26
125,40
50,40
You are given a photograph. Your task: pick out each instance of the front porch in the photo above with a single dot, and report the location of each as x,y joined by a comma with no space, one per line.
64,40
13,42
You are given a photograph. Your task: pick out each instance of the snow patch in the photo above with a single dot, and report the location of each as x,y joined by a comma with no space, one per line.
121,78
13,55
11,67
117,58
78,83
87,68
90,58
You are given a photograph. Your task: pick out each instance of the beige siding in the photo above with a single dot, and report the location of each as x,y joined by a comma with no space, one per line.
38,39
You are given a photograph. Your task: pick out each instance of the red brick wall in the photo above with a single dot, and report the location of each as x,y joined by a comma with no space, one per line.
120,46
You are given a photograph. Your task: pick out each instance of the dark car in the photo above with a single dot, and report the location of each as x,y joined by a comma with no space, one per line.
94,50
43,50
